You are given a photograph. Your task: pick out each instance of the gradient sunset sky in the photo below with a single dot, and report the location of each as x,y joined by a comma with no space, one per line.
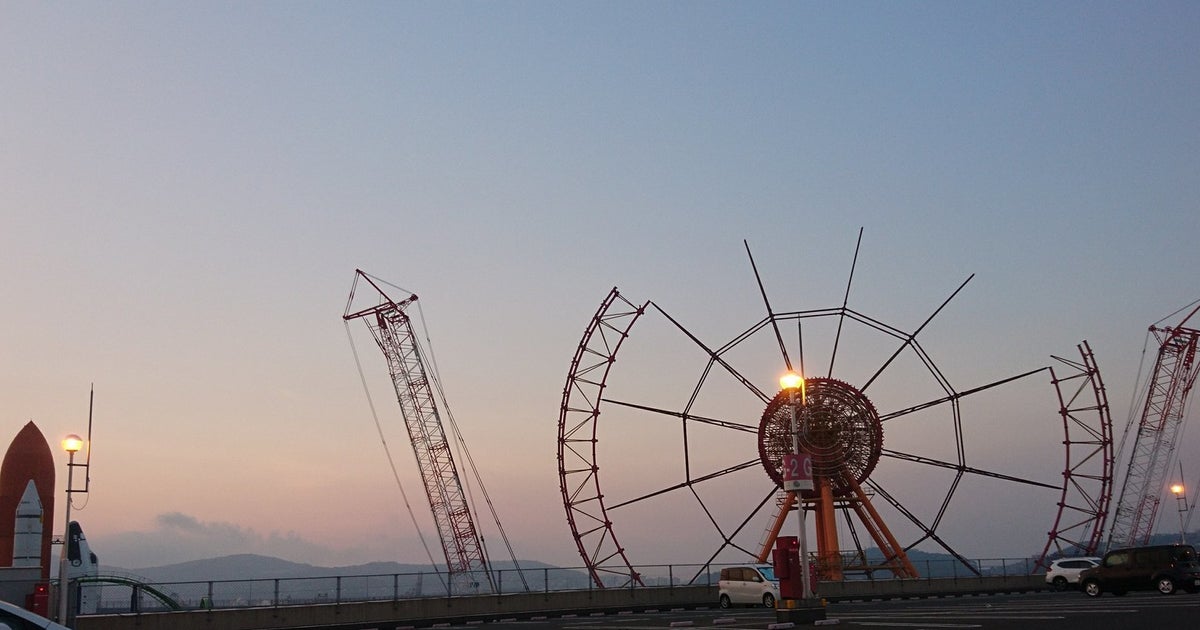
186,190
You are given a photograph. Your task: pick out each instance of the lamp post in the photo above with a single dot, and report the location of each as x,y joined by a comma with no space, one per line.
71,444
1181,502
791,382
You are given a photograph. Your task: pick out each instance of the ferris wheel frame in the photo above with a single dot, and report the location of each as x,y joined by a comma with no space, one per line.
584,396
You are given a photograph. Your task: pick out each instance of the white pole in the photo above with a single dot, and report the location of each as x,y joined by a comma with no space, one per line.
804,588
62,564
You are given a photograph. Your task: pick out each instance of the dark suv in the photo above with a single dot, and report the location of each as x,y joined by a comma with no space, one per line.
1164,568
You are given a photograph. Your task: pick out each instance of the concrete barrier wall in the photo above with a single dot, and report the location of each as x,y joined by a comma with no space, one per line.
428,612
410,612
893,589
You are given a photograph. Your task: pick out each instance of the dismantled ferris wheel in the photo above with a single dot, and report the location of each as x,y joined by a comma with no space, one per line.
727,424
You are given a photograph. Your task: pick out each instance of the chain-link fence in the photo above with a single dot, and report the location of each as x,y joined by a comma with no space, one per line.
116,594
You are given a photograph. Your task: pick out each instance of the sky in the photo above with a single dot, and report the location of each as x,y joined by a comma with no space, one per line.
186,191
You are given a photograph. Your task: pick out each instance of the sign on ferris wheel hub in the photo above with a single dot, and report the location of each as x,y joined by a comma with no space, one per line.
797,472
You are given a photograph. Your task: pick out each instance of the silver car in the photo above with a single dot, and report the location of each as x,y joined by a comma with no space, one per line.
13,617
1064,572
748,585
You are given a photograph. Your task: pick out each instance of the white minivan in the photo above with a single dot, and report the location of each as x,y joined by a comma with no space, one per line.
748,585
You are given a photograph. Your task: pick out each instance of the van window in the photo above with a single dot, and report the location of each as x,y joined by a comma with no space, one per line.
1150,557
1117,559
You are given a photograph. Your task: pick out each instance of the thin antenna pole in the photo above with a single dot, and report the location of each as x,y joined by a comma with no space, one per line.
1195,495
1185,511
87,465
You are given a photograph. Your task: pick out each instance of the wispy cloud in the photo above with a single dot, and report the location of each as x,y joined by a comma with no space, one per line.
179,537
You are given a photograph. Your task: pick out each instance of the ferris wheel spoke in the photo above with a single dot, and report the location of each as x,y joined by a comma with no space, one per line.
930,532
727,424
728,539
687,484
908,457
716,357
957,395
846,300
770,313
911,338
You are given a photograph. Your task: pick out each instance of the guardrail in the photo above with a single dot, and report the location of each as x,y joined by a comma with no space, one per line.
127,597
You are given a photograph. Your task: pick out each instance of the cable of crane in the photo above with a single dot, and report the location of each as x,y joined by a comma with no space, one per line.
388,452
465,455
1140,391
1182,309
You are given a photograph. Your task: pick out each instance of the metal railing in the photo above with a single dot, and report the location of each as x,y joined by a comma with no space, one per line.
120,596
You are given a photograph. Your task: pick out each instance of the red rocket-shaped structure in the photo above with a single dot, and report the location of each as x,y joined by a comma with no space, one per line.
28,459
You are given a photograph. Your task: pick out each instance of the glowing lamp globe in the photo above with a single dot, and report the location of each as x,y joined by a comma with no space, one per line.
72,443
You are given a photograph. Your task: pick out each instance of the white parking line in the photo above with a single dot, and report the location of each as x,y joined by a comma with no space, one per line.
621,626
916,625
969,616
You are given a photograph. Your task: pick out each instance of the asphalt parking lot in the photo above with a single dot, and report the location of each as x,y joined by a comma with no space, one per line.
1069,610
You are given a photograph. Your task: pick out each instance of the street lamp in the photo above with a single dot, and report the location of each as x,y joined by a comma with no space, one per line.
71,444
791,382
1181,502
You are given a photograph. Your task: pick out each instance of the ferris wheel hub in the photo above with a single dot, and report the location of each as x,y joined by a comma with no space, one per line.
838,425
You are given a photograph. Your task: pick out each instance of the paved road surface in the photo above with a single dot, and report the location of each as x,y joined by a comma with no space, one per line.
1060,611
1057,611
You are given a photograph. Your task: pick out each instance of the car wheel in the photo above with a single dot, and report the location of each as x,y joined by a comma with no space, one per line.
725,603
769,600
1059,583
1166,585
1092,588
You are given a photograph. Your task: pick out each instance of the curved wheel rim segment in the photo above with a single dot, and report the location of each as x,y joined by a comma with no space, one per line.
1088,476
578,470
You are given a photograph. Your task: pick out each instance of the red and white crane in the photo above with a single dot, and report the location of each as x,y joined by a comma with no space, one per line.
1158,431
419,392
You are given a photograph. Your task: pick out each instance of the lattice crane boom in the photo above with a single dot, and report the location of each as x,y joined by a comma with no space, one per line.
392,329
1161,423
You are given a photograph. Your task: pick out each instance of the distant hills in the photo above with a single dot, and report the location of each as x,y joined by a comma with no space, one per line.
237,579
255,567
